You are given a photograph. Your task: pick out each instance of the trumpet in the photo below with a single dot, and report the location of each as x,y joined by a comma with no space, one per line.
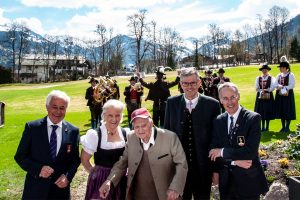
138,87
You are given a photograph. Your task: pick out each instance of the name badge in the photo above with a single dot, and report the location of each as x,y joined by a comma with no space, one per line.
241,140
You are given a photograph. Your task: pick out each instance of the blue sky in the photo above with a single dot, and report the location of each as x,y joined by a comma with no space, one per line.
189,17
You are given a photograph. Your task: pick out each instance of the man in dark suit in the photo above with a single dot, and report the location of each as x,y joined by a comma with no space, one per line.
48,152
133,94
159,91
190,115
89,96
235,143
218,81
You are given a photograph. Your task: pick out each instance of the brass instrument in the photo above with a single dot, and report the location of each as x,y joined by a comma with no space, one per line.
111,83
100,92
138,87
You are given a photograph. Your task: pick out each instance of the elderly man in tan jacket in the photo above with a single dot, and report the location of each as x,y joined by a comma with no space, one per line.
156,162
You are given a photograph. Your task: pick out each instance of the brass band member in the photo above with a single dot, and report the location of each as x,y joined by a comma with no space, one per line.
133,94
114,91
100,96
159,91
217,82
208,84
89,97
264,103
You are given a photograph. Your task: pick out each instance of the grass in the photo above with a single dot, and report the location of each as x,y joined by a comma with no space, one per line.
27,102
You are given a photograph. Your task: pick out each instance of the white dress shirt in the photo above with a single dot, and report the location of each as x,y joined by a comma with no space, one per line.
194,101
146,146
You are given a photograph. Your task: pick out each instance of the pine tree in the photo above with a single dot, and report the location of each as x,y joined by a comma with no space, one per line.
295,49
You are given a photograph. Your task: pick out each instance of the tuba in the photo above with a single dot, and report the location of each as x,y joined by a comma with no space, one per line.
100,92
113,89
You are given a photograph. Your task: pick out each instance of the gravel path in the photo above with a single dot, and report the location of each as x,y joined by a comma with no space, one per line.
78,184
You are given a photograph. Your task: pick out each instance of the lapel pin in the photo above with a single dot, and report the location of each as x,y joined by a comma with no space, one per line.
241,140
69,148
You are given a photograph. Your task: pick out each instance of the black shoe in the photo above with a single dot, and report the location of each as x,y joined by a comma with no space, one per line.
263,130
282,130
287,130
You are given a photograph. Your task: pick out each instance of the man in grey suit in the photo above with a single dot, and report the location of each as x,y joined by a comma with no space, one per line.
155,159
235,143
48,152
190,115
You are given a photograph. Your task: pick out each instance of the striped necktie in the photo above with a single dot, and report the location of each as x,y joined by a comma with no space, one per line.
53,142
231,129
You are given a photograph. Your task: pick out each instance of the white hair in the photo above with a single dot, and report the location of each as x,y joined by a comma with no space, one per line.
112,103
230,85
57,94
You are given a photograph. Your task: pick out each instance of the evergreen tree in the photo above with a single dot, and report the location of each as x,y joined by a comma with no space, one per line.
170,59
295,49
196,63
6,76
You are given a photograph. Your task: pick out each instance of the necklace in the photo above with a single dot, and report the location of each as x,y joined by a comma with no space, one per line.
110,133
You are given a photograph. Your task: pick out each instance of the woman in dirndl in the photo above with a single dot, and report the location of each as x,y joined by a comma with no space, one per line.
106,144
264,103
285,108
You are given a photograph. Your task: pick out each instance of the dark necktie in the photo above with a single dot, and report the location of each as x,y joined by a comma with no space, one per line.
231,129
53,142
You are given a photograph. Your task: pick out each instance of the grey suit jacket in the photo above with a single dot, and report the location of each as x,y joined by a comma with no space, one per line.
167,160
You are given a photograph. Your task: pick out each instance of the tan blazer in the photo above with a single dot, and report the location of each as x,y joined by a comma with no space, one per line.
166,158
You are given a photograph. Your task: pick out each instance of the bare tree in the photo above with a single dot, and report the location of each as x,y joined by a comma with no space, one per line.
283,16
153,23
273,22
237,46
270,49
91,45
138,28
247,35
217,38
18,35
262,35
101,31
117,53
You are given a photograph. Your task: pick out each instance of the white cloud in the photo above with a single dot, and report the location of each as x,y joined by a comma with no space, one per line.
104,4
3,20
189,18
32,23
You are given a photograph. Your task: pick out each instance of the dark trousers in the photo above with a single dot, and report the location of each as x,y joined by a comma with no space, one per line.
130,108
229,191
196,186
96,111
159,113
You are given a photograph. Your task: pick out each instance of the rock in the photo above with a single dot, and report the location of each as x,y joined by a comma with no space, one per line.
215,192
277,191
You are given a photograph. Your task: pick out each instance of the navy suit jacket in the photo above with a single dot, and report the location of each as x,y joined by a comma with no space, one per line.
244,146
34,152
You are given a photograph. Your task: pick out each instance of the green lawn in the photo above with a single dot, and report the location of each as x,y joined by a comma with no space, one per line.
27,102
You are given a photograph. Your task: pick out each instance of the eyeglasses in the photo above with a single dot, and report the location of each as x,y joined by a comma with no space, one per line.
186,84
229,99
